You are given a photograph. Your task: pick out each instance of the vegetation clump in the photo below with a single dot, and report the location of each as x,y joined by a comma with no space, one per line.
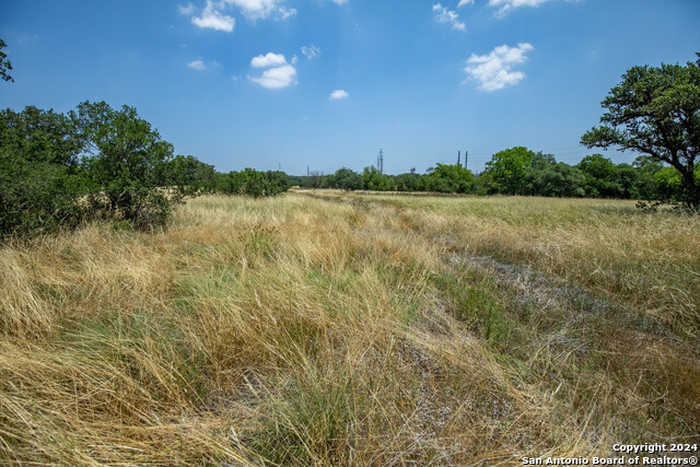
58,170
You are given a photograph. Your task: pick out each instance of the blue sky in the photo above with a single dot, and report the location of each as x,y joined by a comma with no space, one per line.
327,83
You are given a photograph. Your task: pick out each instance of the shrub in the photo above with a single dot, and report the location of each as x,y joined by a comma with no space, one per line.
41,178
56,170
251,182
127,162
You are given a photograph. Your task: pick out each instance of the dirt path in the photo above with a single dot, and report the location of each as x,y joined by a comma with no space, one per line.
533,288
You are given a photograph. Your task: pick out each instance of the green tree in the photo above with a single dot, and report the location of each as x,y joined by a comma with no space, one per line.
5,65
410,182
277,181
128,163
345,179
373,179
627,181
227,183
40,174
547,177
446,178
647,184
507,169
668,184
656,111
538,172
190,175
600,176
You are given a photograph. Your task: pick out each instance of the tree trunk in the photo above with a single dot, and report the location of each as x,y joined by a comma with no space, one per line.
691,188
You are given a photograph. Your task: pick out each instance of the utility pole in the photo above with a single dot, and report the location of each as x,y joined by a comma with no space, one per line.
308,173
466,158
459,158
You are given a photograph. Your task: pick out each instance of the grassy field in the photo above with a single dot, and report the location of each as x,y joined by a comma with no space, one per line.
325,328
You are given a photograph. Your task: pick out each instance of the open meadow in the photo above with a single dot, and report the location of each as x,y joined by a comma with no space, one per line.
323,327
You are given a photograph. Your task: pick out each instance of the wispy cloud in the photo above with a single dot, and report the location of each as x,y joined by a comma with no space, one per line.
339,94
262,9
215,14
494,71
212,18
197,65
464,2
444,15
504,6
187,10
310,51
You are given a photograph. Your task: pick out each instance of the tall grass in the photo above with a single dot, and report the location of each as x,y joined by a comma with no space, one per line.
301,331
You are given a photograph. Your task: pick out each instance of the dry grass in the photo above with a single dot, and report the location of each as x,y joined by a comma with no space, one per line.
303,331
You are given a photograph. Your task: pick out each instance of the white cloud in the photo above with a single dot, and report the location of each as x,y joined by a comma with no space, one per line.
444,15
213,14
494,71
276,78
197,65
213,18
186,10
340,2
285,12
338,94
464,2
262,9
507,5
310,51
295,60
268,60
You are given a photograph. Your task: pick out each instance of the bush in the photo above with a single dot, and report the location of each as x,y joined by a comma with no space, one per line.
445,178
41,178
127,164
251,182
191,176
57,170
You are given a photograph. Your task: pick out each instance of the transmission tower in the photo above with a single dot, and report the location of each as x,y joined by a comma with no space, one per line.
380,161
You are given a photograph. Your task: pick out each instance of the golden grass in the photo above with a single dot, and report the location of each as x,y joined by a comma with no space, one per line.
357,332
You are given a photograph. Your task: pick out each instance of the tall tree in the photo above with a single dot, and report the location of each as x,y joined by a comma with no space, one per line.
656,111
5,65
508,168
447,178
600,176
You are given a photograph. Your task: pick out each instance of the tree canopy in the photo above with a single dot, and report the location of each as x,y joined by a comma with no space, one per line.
656,111
508,168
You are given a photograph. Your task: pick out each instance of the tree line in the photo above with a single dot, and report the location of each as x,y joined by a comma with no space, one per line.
653,111
520,171
95,162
